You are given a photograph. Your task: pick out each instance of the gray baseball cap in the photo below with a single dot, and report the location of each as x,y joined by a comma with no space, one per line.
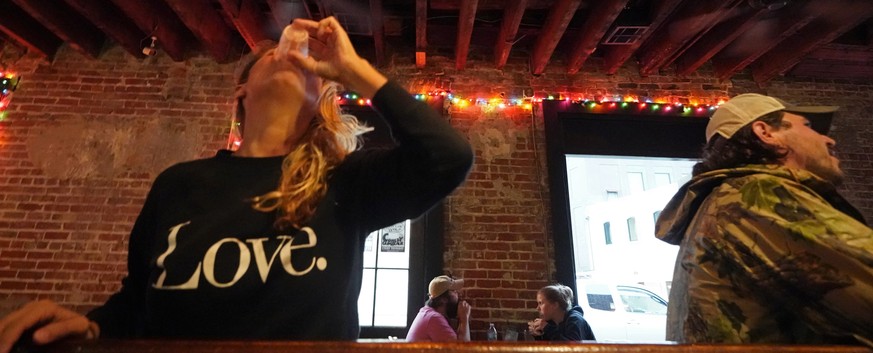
741,110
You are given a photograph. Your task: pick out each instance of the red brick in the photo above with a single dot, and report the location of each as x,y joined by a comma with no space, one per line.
60,276
49,265
39,286
39,255
8,285
48,225
56,235
13,254
76,266
30,275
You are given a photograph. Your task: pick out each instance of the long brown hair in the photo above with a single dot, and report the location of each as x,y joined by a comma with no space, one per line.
330,137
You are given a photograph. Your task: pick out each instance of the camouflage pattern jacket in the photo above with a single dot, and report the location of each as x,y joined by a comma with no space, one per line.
767,255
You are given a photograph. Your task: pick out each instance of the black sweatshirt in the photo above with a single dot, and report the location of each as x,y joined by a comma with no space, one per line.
573,328
203,264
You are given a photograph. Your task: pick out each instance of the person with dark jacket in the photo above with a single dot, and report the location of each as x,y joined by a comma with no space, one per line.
559,319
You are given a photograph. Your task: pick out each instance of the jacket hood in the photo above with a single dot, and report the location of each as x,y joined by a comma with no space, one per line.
577,309
680,211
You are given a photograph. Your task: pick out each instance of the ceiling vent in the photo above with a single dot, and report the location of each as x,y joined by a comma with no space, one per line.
625,35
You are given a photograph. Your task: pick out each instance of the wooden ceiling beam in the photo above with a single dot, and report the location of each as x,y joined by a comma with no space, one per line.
465,30
158,20
249,21
19,26
420,33
616,55
858,54
868,29
67,24
489,4
207,25
512,15
284,12
317,10
843,15
818,69
601,17
106,17
795,16
378,25
688,24
717,39
556,24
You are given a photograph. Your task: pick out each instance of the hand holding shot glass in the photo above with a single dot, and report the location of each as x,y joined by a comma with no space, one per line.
294,38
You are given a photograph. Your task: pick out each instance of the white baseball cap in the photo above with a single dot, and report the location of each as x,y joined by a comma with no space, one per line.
741,110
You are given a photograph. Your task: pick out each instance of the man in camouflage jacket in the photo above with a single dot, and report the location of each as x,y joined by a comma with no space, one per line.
769,251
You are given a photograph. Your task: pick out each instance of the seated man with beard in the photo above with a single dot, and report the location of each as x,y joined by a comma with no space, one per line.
443,303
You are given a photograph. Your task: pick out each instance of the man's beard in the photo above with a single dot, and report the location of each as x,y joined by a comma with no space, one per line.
452,310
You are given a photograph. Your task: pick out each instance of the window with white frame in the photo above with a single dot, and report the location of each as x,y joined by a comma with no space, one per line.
385,286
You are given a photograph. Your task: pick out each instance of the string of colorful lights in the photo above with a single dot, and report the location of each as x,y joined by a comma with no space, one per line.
8,83
616,104
612,104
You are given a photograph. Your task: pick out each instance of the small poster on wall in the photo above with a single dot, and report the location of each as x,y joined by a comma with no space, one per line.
393,238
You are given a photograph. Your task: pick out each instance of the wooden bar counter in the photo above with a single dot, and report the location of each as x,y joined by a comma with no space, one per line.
163,346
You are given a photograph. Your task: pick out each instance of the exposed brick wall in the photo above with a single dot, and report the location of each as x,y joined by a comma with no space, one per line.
78,152
497,239
84,139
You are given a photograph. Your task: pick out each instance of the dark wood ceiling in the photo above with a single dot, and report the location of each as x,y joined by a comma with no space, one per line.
814,38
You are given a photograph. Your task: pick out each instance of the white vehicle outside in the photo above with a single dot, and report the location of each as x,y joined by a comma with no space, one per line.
623,313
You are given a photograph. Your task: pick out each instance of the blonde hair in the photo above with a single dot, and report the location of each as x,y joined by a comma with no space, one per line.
330,137
558,293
